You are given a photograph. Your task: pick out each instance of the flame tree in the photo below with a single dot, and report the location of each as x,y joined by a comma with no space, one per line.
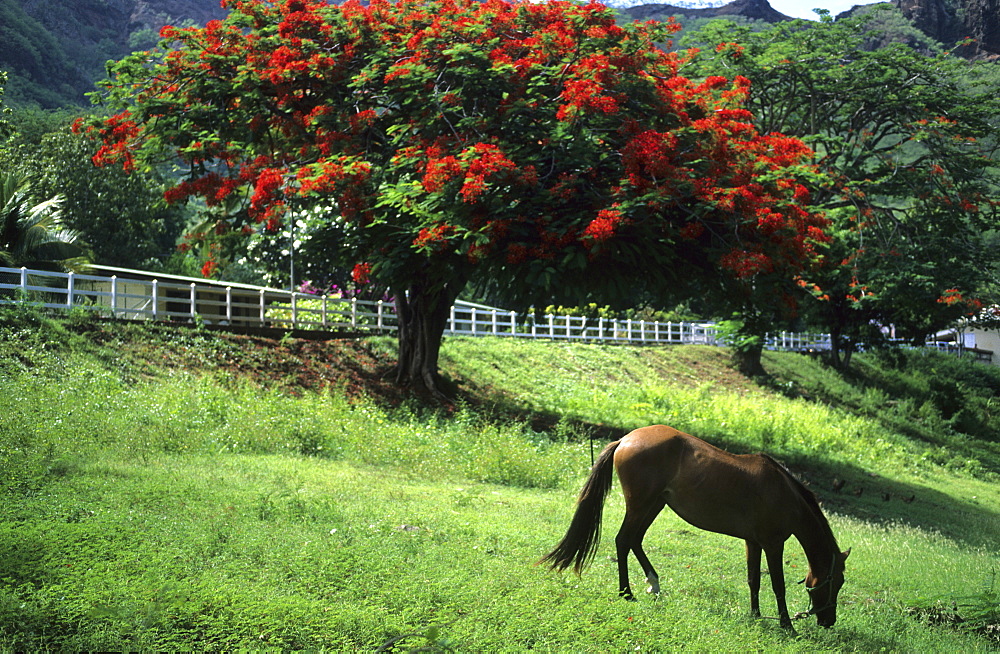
537,144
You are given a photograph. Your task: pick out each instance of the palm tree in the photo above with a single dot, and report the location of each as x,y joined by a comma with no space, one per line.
32,235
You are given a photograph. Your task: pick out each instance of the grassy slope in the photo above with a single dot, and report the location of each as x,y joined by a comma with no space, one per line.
838,435
176,489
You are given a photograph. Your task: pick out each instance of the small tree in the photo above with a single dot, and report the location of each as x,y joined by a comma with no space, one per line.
539,144
122,215
32,234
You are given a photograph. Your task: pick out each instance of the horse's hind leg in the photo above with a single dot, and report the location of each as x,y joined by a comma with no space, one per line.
633,530
623,543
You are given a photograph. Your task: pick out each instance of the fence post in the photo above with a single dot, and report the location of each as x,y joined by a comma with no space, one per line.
642,331
229,305
261,307
552,326
493,318
451,319
378,321
24,280
114,296
194,301
600,328
629,333
513,324
354,312
156,298
295,310
69,291
472,320
322,310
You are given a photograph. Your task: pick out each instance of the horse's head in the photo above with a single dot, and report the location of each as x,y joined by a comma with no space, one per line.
823,591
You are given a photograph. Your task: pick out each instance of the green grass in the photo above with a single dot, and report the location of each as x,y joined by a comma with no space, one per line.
162,510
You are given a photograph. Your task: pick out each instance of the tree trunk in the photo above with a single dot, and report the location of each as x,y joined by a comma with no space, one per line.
846,361
835,347
841,349
748,359
748,344
422,313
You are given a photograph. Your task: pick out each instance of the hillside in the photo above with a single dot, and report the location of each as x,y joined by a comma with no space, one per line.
934,412
55,50
170,488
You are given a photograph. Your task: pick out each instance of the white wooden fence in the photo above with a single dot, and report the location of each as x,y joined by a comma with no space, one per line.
211,302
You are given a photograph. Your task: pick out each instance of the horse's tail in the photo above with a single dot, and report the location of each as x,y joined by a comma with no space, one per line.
579,544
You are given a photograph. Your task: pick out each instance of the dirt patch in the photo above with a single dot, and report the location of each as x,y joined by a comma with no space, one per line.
356,366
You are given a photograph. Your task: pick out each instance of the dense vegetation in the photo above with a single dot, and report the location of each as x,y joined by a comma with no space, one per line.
164,487
168,488
901,225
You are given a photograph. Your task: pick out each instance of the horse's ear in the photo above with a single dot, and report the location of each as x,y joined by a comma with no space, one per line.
847,553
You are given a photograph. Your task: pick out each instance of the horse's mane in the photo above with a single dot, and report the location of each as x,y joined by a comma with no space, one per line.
808,496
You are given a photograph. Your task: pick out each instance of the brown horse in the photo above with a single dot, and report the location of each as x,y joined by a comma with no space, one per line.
749,496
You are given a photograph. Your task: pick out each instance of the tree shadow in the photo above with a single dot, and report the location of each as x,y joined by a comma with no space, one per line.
853,491
502,407
843,488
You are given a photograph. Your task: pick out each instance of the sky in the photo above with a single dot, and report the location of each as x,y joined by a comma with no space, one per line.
804,8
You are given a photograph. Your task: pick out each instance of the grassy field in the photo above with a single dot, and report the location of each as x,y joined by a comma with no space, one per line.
165,490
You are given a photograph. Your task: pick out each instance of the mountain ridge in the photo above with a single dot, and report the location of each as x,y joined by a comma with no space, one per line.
752,9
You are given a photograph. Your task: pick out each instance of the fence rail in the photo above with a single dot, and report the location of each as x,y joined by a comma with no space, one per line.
209,302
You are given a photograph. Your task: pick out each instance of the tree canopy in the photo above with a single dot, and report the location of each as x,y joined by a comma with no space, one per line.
541,144
908,139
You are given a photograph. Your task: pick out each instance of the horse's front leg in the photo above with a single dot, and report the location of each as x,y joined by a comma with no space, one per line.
776,567
652,578
638,517
652,510
753,577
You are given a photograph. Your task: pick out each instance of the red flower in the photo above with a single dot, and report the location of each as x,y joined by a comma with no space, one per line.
434,238
746,264
692,231
362,273
488,161
603,227
265,189
209,268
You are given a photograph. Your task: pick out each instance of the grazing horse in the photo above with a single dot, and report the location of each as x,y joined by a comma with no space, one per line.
748,496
